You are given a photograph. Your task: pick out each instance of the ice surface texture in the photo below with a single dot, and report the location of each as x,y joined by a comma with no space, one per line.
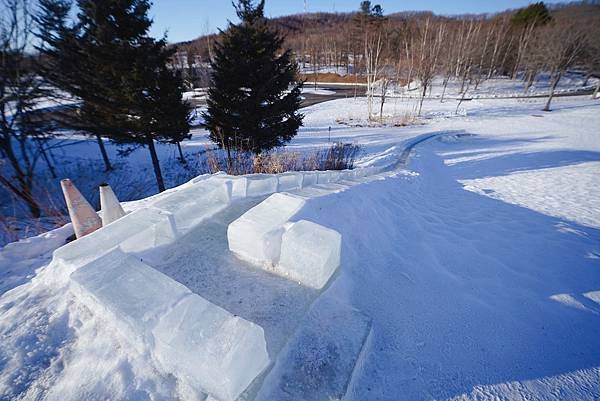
303,251
320,360
256,235
196,203
214,350
310,254
140,230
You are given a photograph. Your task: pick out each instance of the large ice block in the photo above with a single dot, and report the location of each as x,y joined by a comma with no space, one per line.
132,291
220,352
310,178
239,184
347,175
138,231
289,181
326,177
213,350
197,202
310,254
256,235
260,184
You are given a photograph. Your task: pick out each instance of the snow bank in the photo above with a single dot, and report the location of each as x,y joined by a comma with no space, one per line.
214,350
310,254
325,177
256,236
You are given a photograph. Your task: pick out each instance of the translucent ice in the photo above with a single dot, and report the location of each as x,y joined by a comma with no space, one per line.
213,350
132,291
310,254
138,231
289,181
256,235
260,184
197,202
220,352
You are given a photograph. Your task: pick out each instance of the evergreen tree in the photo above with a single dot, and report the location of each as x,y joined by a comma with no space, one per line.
120,73
255,95
536,13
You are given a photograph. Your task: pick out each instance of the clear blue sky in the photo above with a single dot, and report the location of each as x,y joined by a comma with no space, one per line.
188,19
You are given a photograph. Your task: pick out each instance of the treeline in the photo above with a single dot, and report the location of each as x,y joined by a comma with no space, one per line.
116,79
408,47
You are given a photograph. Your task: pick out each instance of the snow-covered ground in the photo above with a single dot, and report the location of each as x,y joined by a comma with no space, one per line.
478,269
571,83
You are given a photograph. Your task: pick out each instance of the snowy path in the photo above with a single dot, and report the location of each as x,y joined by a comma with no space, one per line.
470,291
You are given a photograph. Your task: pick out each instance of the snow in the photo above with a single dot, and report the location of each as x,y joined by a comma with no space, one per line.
578,200
317,91
310,254
445,290
502,87
319,362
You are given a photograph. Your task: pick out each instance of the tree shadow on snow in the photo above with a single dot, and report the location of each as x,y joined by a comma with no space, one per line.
464,290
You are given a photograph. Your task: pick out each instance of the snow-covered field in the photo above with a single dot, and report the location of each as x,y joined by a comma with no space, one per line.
476,270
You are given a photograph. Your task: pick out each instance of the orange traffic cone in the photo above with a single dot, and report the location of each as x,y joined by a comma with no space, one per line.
110,206
84,218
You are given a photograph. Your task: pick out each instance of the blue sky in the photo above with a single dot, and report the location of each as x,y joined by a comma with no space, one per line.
188,19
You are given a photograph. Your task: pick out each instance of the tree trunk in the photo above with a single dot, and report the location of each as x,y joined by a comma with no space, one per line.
107,165
46,159
181,157
530,79
383,94
554,85
446,79
156,165
587,78
25,194
422,98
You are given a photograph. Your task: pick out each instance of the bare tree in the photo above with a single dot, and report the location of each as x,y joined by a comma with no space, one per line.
562,44
19,91
373,47
428,53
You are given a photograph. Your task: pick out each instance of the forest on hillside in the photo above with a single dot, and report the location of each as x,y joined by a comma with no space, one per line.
414,46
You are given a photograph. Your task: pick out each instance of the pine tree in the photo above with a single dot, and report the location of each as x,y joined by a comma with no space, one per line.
255,95
107,59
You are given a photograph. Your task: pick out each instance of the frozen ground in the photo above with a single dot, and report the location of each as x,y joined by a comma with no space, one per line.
479,270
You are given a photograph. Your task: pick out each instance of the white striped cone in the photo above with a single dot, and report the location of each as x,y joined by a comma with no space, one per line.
110,206
84,218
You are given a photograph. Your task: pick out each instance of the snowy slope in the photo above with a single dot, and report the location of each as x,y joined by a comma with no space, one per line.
472,294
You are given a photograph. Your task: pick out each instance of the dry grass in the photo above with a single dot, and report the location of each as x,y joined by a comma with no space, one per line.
136,182
330,77
339,156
